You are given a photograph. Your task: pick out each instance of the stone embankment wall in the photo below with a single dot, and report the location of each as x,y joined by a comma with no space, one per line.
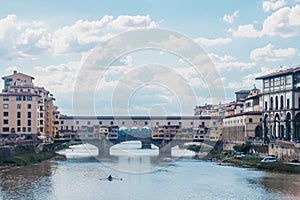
285,150
260,149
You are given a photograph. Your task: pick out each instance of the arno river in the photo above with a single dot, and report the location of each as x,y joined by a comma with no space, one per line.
142,177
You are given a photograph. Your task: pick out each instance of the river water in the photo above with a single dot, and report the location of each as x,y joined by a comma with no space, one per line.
143,177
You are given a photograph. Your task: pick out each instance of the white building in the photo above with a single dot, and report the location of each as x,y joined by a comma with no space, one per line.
281,105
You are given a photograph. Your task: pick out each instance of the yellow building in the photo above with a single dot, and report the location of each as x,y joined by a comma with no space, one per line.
27,111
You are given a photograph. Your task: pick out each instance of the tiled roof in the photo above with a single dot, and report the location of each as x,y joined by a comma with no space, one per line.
242,91
279,73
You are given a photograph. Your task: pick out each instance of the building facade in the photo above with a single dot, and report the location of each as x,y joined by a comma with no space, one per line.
91,126
26,111
243,125
281,105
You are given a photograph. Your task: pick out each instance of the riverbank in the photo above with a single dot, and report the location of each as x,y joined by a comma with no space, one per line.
28,158
249,161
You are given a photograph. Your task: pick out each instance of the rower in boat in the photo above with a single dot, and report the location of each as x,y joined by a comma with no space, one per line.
111,178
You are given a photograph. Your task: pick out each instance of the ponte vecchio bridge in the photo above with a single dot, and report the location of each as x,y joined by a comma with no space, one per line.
163,131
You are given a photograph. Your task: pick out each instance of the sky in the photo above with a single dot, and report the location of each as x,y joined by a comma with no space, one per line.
150,57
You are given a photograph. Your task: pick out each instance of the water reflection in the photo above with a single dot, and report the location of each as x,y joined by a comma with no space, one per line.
26,182
286,184
143,177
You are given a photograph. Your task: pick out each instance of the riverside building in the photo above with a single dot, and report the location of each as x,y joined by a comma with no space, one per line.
26,111
281,105
243,122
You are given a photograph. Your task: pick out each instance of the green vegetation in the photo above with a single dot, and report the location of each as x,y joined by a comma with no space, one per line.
242,148
255,162
279,167
22,159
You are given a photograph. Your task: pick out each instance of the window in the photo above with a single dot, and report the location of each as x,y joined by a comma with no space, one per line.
100,122
18,114
157,123
111,122
89,122
266,83
180,123
28,98
146,123
18,129
281,102
288,103
29,115
5,129
29,106
23,129
62,122
192,123
271,104
18,122
250,120
18,106
29,129
77,122
266,105
5,114
28,122
169,123
5,121
5,106
288,80
214,123
19,98
277,81
72,128
15,90
276,103
67,127
5,98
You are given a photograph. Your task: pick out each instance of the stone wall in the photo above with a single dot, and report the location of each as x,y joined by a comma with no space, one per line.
284,150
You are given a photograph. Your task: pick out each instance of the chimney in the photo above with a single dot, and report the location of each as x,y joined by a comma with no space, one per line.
15,71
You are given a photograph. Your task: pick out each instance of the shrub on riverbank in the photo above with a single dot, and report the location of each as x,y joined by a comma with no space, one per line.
279,167
28,158
255,162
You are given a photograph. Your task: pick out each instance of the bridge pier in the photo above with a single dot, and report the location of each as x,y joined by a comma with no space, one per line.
146,145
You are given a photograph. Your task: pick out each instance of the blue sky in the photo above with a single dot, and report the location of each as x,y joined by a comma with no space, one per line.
51,41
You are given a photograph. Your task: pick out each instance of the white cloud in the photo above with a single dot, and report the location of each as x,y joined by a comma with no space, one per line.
269,53
227,62
248,80
284,22
247,31
231,18
272,5
83,35
212,42
20,39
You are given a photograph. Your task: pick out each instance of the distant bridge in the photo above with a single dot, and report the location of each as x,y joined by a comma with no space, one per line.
103,144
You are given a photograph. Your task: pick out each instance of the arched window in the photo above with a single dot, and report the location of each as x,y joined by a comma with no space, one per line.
276,103
271,103
281,102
